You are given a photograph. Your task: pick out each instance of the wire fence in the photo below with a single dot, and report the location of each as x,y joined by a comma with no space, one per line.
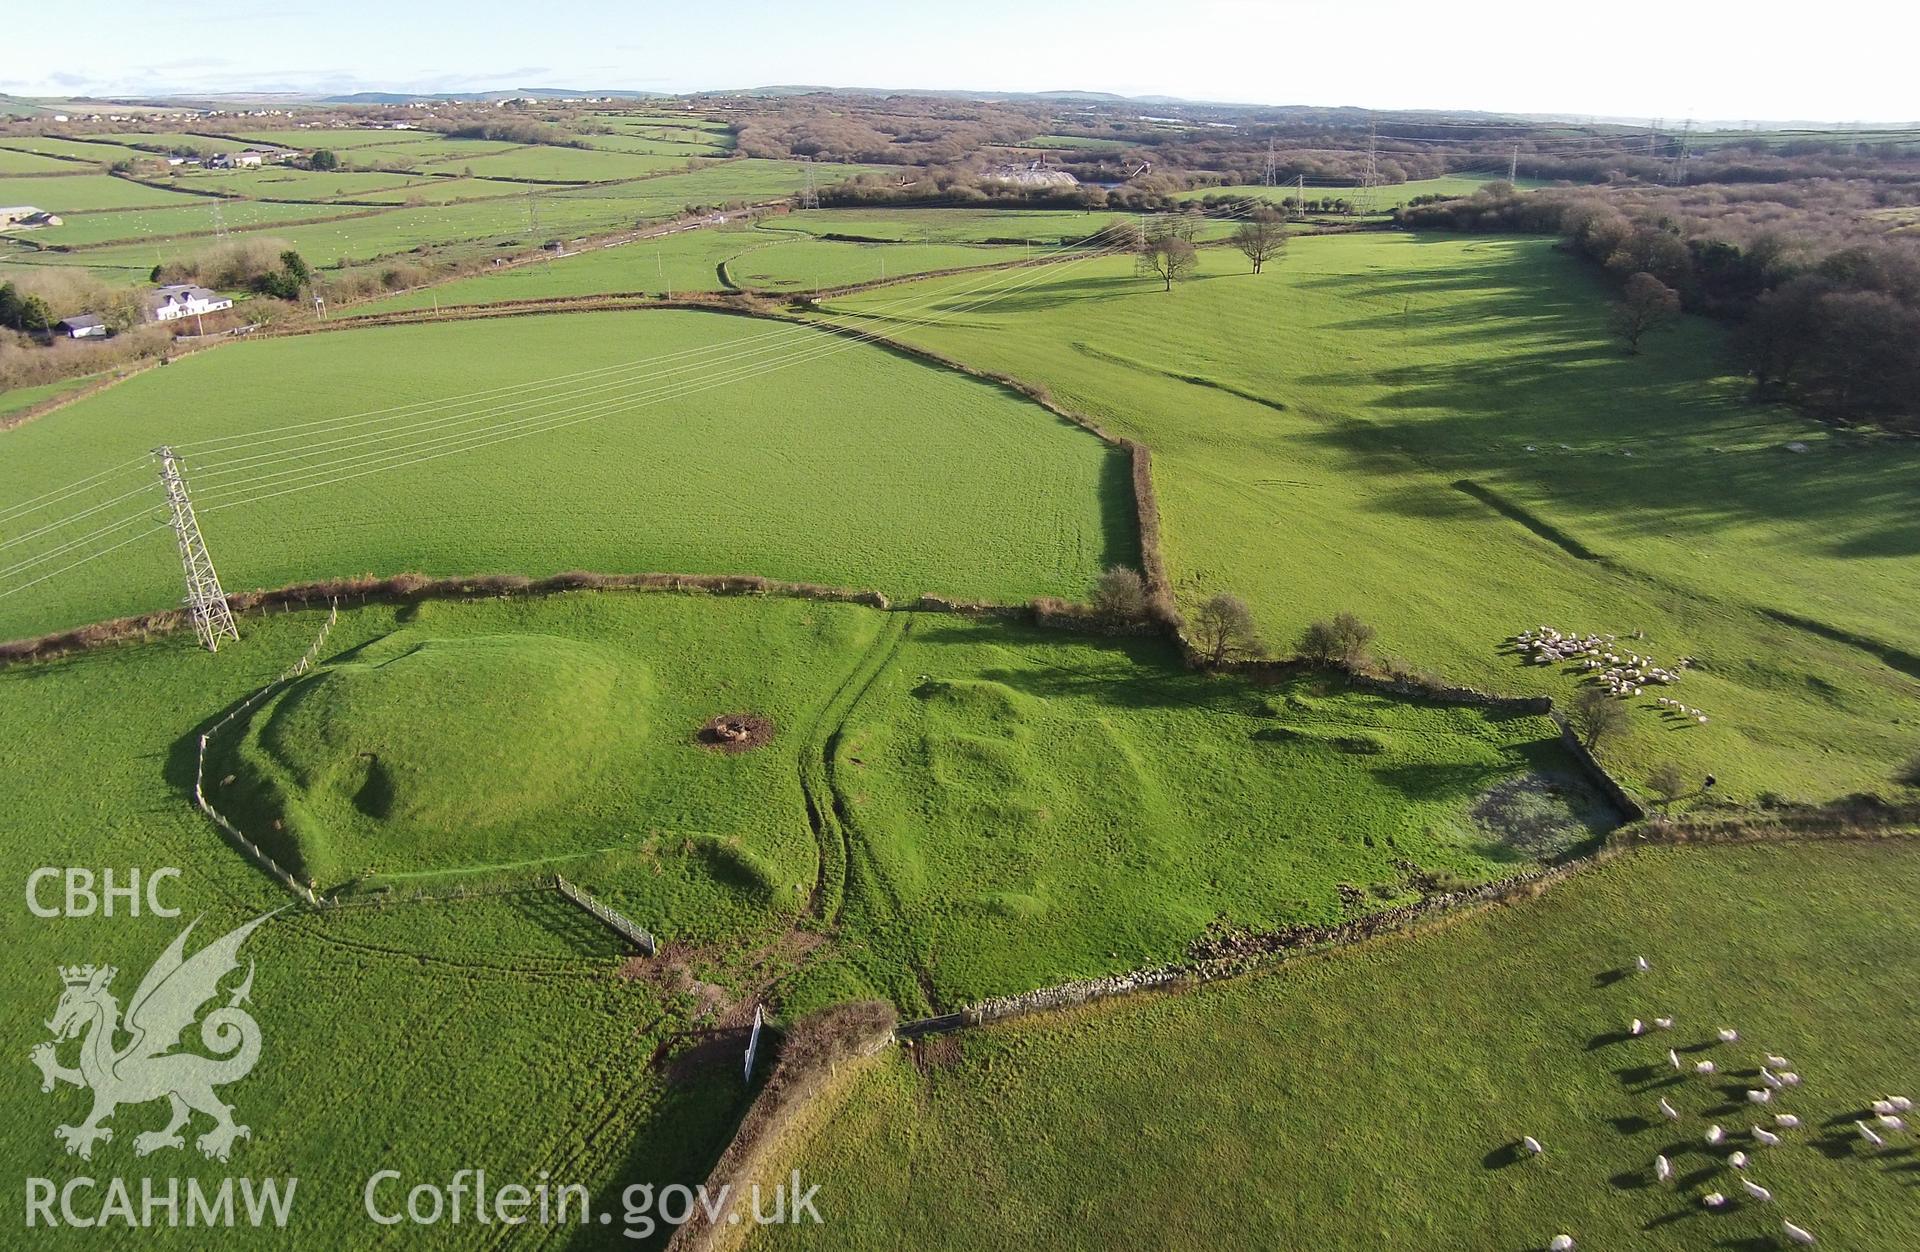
200,801
608,916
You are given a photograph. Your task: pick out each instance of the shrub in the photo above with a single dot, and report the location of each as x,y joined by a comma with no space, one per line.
1910,772
1120,596
1668,781
1344,641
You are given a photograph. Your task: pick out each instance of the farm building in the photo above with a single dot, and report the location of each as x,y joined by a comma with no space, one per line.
179,300
27,217
252,158
83,326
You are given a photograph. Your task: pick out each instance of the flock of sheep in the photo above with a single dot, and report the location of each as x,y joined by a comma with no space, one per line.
1624,674
1776,1076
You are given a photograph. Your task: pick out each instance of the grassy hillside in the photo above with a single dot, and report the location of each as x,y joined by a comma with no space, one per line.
509,1006
1371,1099
1022,807
1441,435
662,440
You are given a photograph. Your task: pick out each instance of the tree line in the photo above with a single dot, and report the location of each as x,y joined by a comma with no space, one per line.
1832,324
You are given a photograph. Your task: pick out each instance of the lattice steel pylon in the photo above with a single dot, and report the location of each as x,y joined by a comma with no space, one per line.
206,603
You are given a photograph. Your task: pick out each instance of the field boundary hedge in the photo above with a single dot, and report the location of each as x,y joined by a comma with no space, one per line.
412,588
15,420
1229,955
303,890
820,1056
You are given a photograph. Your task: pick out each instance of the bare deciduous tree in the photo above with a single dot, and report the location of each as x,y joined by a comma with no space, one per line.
1223,631
1596,716
1168,255
1261,239
1120,596
1344,640
1646,304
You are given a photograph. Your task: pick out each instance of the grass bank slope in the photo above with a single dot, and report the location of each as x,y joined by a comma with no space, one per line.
1439,434
1370,1099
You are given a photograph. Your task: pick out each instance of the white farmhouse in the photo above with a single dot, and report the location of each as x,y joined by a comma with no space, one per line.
179,300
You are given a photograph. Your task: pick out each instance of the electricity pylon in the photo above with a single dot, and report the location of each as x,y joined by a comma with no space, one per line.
206,603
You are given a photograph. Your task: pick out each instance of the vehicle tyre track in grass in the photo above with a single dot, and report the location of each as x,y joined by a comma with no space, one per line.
816,784
860,862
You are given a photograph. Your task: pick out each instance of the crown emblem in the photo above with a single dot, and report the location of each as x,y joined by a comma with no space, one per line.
81,975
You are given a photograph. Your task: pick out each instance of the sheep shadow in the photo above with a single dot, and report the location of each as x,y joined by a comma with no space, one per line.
1608,977
1630,1124
1696,1178
1632,1180
1607,1039
1504,1156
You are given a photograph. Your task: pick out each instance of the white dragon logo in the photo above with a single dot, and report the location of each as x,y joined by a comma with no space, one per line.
166,1003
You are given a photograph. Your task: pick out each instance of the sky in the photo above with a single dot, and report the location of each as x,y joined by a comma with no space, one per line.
1842,61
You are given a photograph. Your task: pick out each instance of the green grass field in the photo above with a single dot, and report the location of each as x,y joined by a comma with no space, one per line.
578,165
471,1007
191,218
1022,807
1440,435
513,739
494,743
16,399
1384,197
1371,1098
786,252
819,460
79,193
14,162
99,151
452,216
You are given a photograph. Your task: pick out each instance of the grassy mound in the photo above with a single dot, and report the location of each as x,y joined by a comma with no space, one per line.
454,746
1024,806
431,736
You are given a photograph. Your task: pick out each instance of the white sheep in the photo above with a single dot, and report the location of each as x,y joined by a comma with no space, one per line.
1673,1058
1713,1199
1664,1023
1883,1107
1768,1077
1531,1144
1642,964
1662,1168
1637,1027
1704,1067
1561,1243
1715,1134
1891,1122
1765,1137
1798,1234
1758,1095
1866,1132
1668,1111
1778,1062
1790,1078
1900,1103
1728,1034
1757,1191
1786,1120
1738,1160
